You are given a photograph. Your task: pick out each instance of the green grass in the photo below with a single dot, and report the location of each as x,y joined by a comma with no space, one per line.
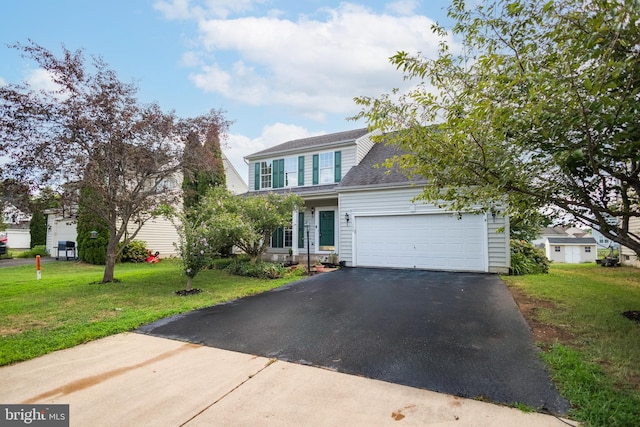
69,306
599,369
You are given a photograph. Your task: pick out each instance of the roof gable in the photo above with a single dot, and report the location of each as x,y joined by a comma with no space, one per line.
370,171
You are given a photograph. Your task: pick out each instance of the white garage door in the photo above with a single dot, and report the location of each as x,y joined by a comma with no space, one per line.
437,241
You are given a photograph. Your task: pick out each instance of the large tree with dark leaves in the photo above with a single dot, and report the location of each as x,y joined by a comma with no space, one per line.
203,167
537,106
91,131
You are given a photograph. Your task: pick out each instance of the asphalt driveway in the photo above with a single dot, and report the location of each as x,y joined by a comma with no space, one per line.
456,333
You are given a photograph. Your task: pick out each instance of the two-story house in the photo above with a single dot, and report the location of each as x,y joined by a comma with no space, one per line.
367,214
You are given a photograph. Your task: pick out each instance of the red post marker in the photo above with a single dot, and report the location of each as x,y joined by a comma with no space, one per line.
38,267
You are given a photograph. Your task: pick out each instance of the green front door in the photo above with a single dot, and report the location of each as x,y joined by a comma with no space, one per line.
327,231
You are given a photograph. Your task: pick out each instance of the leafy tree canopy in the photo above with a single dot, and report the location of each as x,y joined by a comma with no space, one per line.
91,132
533,106
250,221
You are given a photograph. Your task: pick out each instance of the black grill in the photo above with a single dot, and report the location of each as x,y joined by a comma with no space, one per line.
67,246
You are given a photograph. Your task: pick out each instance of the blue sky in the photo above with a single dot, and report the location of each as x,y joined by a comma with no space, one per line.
280,70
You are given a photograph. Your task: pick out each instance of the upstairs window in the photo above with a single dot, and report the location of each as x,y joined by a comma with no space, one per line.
587,249
326,168
265,175
291,172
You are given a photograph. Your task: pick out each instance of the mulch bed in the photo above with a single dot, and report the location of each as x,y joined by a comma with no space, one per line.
184,293
632,315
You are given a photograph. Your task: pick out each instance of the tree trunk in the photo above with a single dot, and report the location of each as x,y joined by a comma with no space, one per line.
189,283
110,261
109,267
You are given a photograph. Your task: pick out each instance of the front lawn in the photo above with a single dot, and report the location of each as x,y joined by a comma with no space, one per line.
595,354
69,306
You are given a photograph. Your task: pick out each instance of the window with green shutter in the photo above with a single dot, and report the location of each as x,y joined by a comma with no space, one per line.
337,166
256,178
316,169
301,235
277,238
301,170
278,173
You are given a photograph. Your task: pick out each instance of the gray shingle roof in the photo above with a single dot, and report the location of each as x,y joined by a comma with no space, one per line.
366,173
572,240
312,142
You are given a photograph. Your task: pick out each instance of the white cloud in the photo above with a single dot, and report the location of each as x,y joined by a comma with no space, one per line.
402,7
185,9
3,82
315,67
238,146
40,79
174,9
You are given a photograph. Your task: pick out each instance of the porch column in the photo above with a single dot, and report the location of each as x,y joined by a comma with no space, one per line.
294,232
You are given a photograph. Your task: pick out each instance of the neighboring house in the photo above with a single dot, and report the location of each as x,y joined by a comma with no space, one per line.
17,232
557,231
571,250
18,235
627,256
159,234
602,241
367,214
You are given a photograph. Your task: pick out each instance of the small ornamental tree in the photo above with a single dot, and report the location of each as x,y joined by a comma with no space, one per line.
252,220
202,236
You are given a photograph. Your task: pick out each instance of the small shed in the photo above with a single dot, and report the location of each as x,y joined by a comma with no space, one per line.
571,250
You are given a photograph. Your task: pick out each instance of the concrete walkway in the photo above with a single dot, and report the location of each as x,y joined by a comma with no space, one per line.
134,379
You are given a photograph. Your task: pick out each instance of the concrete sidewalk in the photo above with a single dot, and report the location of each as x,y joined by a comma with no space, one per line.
135,379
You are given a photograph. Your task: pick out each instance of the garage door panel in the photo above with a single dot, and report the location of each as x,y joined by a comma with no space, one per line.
437,241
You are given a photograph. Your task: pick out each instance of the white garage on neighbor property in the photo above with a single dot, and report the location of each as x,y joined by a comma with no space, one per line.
428,241
571,250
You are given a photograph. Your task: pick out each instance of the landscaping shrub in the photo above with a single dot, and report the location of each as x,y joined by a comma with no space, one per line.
527,259
223,263
135,251
260,269
36,250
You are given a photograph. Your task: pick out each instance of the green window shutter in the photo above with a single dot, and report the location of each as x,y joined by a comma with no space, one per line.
301,235
256,178
300,170
278,238
338,166
280,172
316,169
274,171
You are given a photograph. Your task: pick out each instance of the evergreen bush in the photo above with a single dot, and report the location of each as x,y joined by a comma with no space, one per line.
135,251
527,259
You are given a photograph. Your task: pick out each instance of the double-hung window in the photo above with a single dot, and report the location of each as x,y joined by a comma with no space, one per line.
326,168
265,174
291,172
